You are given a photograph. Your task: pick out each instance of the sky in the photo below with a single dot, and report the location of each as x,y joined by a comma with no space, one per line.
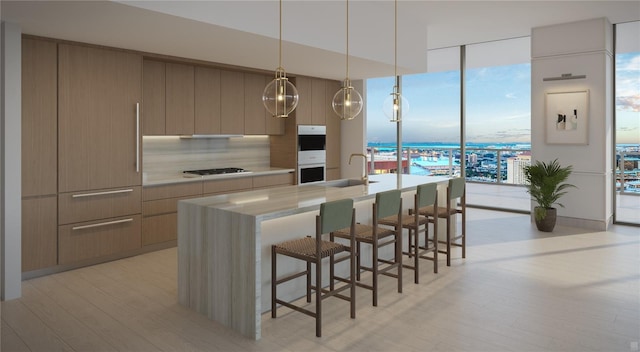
498,105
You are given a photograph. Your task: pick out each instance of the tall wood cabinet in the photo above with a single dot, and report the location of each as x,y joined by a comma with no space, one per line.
314,108
39,156
333,123
99,170
98,139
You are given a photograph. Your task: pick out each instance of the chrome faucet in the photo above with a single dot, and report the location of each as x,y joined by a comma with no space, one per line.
365,173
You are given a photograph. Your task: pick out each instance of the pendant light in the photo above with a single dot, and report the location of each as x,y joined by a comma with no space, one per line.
347,102
280,97
395,105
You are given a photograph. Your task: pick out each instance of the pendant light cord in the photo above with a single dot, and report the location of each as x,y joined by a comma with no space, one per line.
347,40
395,41
280,41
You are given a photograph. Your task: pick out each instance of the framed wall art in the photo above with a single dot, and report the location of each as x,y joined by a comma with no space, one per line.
567,117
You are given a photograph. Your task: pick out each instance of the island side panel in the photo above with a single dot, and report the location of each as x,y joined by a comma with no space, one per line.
245,274
217,265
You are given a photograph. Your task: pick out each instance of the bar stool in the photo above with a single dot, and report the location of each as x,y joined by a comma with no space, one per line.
455,194
426,194
333,216
388,203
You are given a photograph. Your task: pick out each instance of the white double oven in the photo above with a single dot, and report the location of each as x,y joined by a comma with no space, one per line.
312,154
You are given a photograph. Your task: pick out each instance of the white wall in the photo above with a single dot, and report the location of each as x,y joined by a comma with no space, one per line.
10,155
579,48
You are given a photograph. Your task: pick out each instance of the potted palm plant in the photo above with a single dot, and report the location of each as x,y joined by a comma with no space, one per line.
545,185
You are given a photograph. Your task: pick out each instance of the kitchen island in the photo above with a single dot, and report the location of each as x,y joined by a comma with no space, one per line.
224,241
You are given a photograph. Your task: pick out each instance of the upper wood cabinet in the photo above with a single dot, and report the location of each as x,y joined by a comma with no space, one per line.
98,90
255,115
207,100
179,99
319,101
232,102
303,111
153,98
312,104
39,117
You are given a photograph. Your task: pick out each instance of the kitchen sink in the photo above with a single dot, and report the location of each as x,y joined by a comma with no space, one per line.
347,182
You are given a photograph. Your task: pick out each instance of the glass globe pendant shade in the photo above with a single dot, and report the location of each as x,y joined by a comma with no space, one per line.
280,97
395,106
347,102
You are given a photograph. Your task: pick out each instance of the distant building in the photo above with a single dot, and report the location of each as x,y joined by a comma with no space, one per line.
515,168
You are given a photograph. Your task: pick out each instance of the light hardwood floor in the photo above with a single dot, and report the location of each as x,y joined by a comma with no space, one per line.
518,290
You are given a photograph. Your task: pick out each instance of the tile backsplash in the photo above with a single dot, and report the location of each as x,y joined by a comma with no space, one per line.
171,154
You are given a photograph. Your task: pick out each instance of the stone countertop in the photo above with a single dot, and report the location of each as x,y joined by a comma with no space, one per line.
288,200
171,178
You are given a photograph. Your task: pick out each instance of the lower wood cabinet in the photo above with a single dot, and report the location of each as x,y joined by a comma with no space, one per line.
95,239
160,206
98,204
272,180
39,232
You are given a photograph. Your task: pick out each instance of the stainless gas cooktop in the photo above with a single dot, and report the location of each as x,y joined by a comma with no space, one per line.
217,171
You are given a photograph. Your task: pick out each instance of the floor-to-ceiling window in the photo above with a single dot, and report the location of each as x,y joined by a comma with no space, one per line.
497,121
627,122
431,127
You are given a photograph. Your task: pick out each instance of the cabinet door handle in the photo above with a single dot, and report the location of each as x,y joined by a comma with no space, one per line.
102,224
138,137
101,193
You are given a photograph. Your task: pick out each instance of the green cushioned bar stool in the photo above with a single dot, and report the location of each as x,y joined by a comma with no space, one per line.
388,203
334,215
426,195
456,204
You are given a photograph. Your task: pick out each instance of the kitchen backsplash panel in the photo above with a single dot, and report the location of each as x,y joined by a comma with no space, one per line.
171,154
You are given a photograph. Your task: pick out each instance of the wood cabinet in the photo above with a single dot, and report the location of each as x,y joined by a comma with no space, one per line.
333,123
232,102
98,91
255,115
98,153
39,154
266,181
207,100
98,239
160,207
153,98
39,118
85,206
179,99
312,103
319,101
228,185
303,111
314,108
39,233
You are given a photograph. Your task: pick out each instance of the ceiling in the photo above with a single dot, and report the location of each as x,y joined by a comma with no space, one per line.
245,33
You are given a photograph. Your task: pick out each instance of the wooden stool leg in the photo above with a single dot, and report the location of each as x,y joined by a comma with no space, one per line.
319,298
359,265
309,282
273,281
416,274
399,256
448,240
374,265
